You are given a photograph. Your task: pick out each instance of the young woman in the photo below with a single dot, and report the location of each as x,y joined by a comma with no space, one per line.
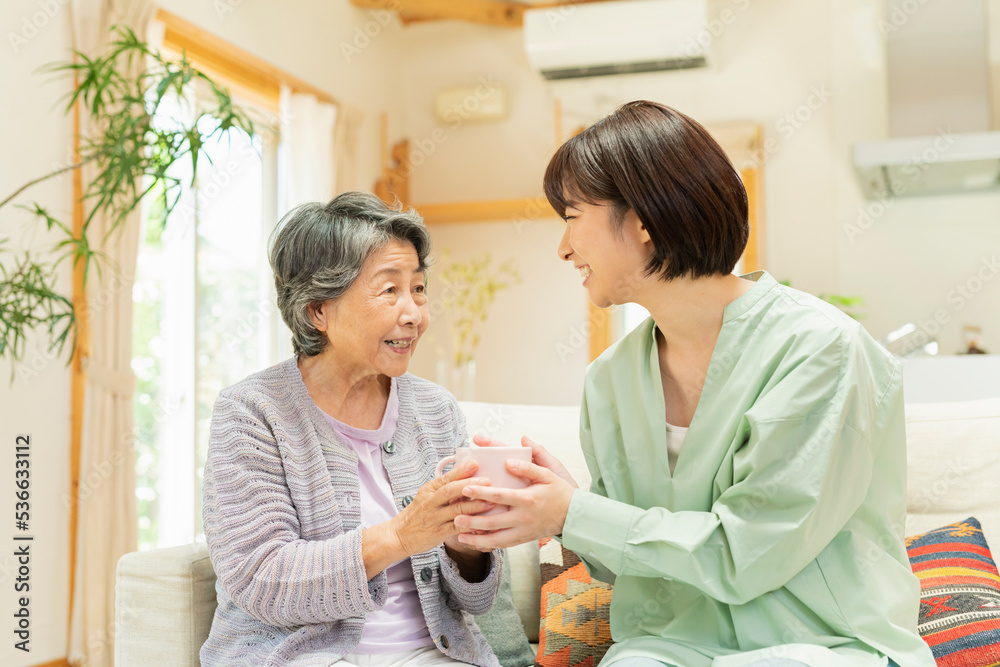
746,443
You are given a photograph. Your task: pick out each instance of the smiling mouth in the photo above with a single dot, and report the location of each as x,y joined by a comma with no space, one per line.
585,271
399,344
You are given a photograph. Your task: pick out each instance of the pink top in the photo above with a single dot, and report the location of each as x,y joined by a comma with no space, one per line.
399,625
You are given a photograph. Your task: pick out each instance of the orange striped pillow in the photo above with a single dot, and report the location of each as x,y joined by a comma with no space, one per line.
575,629
959,595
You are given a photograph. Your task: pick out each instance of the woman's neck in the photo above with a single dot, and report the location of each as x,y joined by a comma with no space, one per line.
356,398
688,315
688,312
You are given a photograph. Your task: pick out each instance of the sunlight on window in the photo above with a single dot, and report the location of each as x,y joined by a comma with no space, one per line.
200,323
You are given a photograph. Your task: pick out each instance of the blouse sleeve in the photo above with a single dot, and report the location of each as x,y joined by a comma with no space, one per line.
254,539
798,479
595,568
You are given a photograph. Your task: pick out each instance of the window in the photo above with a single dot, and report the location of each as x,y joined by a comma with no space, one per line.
204,317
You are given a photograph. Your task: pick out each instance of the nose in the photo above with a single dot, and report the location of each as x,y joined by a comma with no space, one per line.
565,250
411,312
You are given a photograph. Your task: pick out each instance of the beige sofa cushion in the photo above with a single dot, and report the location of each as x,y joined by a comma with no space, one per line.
953,454
165,600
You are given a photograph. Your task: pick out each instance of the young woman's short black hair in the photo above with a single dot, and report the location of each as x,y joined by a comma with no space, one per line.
664,166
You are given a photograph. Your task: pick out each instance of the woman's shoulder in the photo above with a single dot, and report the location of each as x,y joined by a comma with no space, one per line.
275,383
796,334
795,319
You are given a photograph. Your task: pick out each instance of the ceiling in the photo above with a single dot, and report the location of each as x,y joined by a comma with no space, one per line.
502,13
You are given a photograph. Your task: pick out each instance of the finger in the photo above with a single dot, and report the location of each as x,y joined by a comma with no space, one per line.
471,507
467,469
485,523
463,471
453,491
495,495
486,441
531,472
539,454
489,541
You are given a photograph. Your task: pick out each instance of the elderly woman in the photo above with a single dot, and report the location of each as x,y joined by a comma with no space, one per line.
332,539
746,442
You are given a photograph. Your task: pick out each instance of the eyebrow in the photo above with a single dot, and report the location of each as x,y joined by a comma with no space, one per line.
394,271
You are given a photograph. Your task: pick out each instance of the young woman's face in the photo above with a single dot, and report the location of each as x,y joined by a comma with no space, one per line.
375,325
612,267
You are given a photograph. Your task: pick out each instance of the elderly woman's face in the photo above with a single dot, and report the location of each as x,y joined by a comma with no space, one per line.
375,325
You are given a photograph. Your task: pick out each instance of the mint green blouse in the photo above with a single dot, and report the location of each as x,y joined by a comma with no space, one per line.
780,533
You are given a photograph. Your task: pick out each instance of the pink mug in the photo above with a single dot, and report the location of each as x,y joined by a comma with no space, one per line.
492,465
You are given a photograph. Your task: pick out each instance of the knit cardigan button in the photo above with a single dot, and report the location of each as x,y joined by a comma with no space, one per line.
426,574
444,642
407,500
389,446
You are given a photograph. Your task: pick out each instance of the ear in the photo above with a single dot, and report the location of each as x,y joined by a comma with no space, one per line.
635,227
319,313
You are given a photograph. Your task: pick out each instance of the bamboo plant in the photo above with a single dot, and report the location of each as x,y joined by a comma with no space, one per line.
132,152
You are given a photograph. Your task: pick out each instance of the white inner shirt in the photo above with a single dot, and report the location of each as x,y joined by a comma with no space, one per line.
675,438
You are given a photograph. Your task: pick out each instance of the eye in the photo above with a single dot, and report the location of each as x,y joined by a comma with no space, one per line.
567,218
420,289
390,290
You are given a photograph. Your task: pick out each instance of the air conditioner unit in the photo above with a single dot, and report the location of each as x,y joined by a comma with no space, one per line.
605,38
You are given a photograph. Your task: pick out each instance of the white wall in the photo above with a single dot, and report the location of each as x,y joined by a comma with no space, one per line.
812,73
34,137
914,259
534,345
300,36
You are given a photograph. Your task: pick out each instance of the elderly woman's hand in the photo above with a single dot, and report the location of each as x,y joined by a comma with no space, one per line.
426,522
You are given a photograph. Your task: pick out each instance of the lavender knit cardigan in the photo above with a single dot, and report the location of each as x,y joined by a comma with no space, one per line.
282,519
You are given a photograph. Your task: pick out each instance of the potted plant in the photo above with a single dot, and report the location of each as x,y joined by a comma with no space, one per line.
130,154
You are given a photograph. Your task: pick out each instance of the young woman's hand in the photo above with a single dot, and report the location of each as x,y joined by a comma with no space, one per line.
536,511
539,456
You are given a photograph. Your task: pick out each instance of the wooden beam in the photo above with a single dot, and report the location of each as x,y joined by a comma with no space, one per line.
245,71
499,13
754,257
557,112
751,255
78,365
500,210
600,329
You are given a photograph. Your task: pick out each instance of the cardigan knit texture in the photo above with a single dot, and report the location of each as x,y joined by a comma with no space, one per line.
282,517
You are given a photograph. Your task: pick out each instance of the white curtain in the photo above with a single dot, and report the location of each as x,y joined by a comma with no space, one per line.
106,525
346,139
306,158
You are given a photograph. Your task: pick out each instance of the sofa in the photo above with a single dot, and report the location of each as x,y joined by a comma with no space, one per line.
166,597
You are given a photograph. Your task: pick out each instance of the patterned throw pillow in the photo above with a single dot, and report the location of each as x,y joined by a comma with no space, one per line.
574,628
959,595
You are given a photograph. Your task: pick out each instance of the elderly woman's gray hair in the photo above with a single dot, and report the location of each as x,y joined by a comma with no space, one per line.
317,251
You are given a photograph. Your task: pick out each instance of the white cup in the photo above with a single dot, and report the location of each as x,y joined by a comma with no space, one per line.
492,465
